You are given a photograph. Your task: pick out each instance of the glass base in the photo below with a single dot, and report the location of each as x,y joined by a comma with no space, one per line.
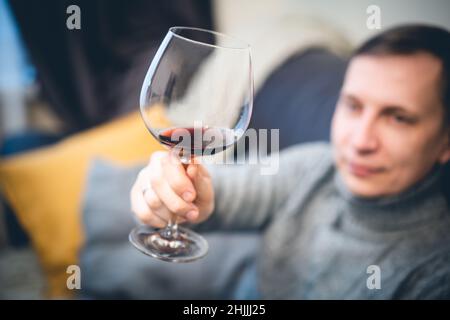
185,246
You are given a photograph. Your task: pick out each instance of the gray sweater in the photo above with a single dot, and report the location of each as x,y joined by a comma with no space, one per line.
322,242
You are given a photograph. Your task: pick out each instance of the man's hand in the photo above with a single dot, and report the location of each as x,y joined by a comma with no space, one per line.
166,190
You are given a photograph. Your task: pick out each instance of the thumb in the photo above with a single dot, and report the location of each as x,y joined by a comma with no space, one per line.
202,183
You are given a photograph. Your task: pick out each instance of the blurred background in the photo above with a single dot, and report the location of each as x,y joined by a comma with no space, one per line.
69,96
34,34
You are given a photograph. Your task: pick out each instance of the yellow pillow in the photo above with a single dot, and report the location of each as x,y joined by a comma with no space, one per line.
44,188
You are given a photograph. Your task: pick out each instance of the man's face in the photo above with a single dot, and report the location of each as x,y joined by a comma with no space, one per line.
388,129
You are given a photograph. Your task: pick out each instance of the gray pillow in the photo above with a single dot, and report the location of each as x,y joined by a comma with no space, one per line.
112,268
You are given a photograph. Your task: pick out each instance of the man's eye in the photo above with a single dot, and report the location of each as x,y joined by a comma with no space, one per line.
352,106
402,119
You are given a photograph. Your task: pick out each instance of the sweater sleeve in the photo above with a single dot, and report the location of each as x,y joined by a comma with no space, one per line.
247,198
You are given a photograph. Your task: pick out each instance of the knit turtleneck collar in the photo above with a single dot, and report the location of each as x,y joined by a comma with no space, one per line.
416,206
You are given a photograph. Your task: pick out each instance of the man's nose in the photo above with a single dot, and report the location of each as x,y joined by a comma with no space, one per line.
364,138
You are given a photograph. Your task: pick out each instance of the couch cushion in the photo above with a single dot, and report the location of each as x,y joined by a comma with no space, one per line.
44,188
299,97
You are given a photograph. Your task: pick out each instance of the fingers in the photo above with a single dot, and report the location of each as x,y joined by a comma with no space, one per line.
171,192
149,209
141,209
169,199
156,206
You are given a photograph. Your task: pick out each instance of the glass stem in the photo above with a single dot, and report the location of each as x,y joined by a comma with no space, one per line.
171,230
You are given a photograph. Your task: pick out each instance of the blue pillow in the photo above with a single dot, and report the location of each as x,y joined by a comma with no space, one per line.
300,96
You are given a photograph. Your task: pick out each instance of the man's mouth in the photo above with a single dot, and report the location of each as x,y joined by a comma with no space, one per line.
362,170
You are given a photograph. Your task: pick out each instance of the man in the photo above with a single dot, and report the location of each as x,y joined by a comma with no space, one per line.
362,218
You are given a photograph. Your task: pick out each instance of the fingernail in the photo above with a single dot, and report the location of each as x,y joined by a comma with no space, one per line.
191,215
187,196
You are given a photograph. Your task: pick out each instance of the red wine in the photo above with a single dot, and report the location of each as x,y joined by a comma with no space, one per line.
197,141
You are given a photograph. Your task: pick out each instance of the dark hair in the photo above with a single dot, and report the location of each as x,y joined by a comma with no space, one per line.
410,39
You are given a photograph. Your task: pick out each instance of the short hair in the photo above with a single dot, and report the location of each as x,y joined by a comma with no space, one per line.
414,38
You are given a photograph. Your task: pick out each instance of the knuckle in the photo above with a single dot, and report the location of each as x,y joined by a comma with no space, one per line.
155,180
153,202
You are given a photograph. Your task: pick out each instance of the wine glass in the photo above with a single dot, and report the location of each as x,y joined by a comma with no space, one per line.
196,100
